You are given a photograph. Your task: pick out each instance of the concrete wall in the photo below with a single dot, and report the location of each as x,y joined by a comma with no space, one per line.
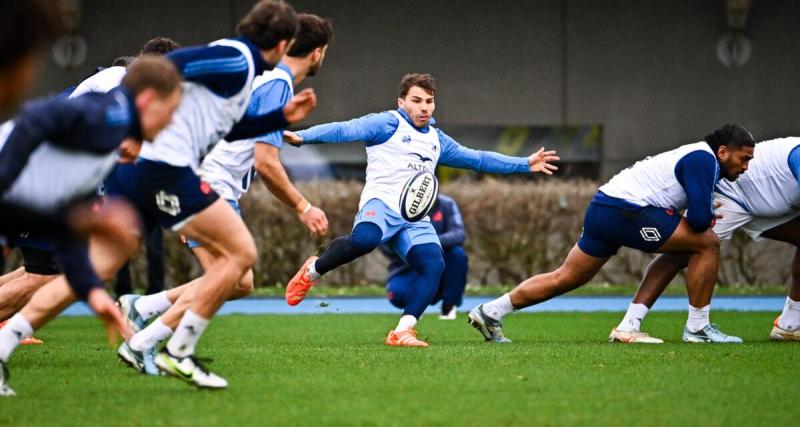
645,70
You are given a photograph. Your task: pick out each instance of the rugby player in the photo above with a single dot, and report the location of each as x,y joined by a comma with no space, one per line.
229,169
639,208
399,144
764,203
53,157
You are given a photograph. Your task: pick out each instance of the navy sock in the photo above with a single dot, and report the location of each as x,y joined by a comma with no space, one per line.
366,237
427,261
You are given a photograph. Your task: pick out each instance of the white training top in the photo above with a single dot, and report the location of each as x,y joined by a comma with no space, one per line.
228,168
768,188
391,164
202,119
102,81
652,181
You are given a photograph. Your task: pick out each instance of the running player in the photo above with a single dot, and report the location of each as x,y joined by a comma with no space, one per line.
166,190
229,169
399,144
53,157
765,203
638,208
37,250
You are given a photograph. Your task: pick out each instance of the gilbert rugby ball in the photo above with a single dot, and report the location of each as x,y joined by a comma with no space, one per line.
418,196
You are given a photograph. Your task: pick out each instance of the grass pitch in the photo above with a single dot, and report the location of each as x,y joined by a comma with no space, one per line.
333,370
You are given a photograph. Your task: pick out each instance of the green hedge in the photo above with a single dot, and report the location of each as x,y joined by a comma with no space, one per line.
515,228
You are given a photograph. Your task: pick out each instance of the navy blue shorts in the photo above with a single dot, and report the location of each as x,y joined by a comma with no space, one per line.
165,195
607,228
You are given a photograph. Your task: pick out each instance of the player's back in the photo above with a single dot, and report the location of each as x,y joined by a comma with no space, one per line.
652,181
768,188
228,168
203,117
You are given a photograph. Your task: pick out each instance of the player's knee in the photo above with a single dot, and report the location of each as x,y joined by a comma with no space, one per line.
365,237
245,286
711,242
427,260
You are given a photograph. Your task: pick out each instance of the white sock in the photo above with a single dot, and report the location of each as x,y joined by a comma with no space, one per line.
152,305
406,322
16,330
633,318
188,332
499,308
312,271
150,336
698,318
790,318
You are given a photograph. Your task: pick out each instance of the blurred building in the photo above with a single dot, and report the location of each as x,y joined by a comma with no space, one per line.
632,77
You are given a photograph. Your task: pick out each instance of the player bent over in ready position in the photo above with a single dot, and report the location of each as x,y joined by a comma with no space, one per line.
399,144
638,208
763,202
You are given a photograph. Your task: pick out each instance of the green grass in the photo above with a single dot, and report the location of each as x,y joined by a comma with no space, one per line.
591,289
333,370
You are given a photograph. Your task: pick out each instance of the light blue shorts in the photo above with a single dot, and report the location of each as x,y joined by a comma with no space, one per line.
399,233
234,204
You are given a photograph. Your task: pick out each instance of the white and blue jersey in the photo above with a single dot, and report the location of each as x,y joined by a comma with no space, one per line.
770,186
217,81
58,150
102,81
638,207
396,150
228,168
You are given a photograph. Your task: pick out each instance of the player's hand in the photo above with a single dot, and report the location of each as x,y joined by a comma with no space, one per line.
315,220
300,105
540,161
292,138
106,309
129,150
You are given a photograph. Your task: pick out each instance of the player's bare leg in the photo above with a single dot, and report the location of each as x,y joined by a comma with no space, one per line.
787,325
10,276
221,231
578,268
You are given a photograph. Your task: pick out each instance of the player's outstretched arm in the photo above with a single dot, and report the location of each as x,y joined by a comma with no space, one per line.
456,155
372,129
251,126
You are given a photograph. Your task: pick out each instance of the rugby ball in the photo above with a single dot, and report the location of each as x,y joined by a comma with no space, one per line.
418,196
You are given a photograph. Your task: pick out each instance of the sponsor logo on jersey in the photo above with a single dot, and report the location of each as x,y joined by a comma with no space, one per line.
406,139
437,216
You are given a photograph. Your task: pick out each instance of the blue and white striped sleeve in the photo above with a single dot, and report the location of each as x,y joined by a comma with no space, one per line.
698,173
373,129
456,155
222,69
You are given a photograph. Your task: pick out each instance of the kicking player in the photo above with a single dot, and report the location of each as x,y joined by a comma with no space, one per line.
399,144
229,169
446,220
163,184
53,157
764,203
638,208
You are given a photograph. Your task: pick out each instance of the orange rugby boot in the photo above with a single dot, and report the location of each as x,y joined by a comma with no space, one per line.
298,287
404,339
26,341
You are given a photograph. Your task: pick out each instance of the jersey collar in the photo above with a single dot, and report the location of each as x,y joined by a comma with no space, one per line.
282,65
408,119
258,60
